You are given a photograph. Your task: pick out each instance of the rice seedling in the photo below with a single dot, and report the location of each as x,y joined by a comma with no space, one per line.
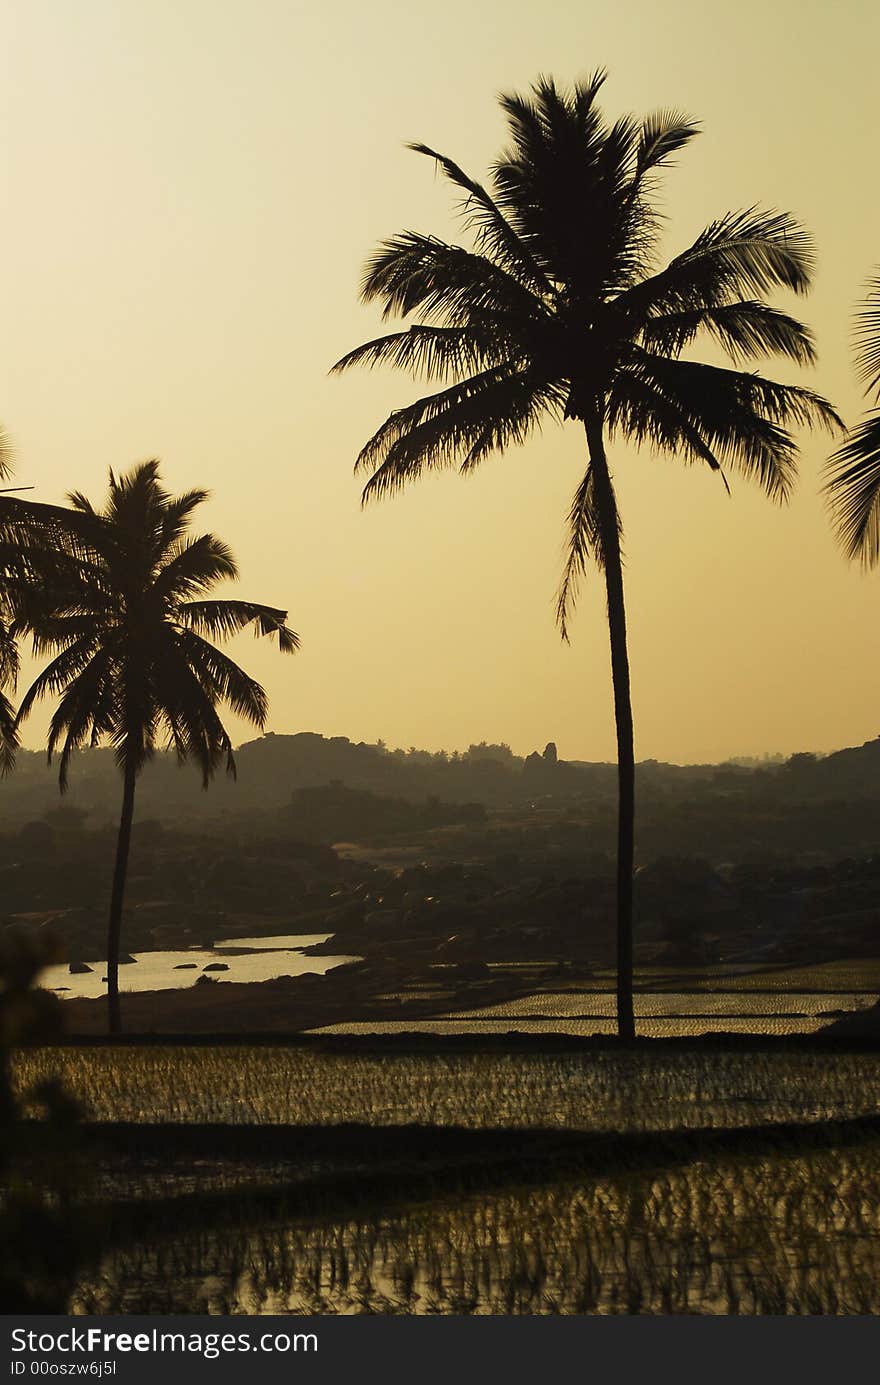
301,1179
794,1234
644,1090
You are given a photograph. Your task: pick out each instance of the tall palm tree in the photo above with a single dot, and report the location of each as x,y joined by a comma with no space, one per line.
561,309
131,632
852,489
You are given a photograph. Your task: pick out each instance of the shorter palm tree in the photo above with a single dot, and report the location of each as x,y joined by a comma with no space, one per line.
853,486
131,635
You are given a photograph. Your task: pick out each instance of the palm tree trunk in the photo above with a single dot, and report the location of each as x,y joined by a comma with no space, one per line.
117,897
610,531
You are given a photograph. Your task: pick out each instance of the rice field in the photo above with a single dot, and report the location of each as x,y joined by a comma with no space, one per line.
534,1182
677,1005
760,1235
584,1012
581,1090
860,975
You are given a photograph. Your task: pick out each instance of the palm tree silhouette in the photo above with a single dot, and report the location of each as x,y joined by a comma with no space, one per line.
126,620
561,310
852,489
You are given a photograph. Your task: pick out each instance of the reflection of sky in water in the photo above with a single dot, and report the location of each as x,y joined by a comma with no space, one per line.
160,971
656,1004
277,940
647,1028
670,1014
730,1235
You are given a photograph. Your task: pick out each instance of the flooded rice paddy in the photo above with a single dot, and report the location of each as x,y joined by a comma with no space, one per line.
659,1014
754,1235
713,1181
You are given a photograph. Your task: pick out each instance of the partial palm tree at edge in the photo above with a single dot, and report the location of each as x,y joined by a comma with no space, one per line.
561,310
131,632
852,490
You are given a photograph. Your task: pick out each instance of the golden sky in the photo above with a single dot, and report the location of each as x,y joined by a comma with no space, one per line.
191,187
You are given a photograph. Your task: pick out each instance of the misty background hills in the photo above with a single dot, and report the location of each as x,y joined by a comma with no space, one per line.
312,787
506,857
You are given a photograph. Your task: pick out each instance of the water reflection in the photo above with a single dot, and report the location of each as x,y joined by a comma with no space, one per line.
767,1235
659,1014
271,957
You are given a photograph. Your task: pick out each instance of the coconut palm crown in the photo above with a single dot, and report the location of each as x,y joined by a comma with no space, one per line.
561,308
852,488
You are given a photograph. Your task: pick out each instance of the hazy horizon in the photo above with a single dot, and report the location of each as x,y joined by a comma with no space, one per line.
192,192
518,751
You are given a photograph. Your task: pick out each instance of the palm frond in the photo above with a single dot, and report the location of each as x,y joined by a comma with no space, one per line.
458,425
742,418
852,492
8,736
429,352
493,234
662,135
224,619
640,411
187,696
448,285
5,455
59,630
134,496
584,543
9,667
740,256
9,662
222,679
176,515
83,714
535,121
194,566
60,673
867,338
31,524
745,330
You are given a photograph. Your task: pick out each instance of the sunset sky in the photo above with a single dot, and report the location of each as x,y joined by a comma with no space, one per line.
191,188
